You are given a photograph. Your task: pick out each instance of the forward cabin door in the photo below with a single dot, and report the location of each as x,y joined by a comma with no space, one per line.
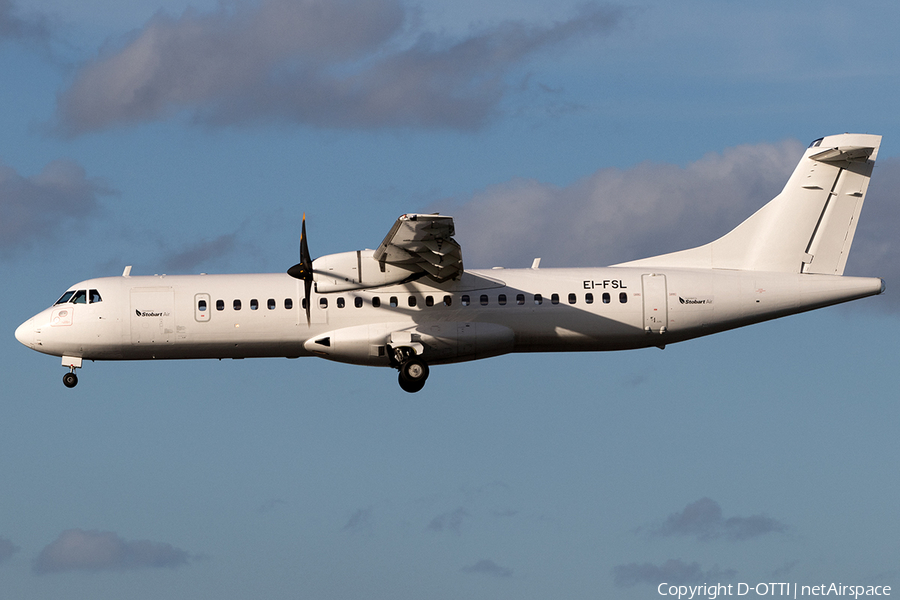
152,315
655,302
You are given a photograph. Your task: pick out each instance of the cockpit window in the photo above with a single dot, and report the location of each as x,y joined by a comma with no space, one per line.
65,297
80,297
95,296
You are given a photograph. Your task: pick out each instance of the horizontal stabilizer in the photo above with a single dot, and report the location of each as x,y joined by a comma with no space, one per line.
845,154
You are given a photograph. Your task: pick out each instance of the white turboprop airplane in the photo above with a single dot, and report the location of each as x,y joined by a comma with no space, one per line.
409,304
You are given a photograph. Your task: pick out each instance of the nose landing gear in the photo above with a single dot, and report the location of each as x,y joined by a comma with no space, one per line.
70,379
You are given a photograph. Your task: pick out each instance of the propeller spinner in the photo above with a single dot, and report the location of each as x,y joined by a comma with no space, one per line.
304,269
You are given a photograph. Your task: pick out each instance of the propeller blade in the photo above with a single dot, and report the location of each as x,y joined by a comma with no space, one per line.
305,258
303,269
307,285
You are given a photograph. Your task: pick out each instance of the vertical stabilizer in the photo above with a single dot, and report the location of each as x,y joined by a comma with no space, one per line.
808,227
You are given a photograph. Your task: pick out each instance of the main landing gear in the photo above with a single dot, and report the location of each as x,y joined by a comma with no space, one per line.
413,374
413,370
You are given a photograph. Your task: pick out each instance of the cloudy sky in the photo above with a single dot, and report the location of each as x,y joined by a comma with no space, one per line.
184,136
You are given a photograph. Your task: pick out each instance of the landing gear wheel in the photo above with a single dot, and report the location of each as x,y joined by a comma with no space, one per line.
413,374
70,380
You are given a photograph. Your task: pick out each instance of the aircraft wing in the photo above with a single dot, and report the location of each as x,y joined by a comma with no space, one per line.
423,243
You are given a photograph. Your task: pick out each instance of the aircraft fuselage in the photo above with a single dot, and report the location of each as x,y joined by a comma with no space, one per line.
485,313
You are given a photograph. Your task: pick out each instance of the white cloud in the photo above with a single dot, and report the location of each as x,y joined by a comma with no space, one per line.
704,520
616,215
22,28
79,550
334,63
449,521
488,567
673,572
360,521
44,204
202,253
7,549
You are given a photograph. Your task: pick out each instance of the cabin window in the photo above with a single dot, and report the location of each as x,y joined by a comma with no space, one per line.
201,305
538,299
94,296
554,299
357,302
605,297
237,305
520,299
589,298
394,302
411,301
254,304
501,299
303,304
80,297
464,300
448,300
323,302
571,298
623,297
376,301
220,305
484,300
429,300
288,304
270,303
340,303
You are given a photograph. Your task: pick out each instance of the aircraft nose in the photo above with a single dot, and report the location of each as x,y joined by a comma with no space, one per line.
25,333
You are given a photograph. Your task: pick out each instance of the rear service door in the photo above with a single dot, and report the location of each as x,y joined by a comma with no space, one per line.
655,302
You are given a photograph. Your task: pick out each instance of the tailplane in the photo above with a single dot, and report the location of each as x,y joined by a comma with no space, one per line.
807,228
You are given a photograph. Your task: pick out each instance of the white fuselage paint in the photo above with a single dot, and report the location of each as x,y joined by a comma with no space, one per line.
160,317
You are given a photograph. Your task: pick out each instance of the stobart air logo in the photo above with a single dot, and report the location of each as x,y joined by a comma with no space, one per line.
695,300
150,313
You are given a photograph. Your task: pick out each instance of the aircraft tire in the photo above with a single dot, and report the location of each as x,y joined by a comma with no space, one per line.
70,380
413,374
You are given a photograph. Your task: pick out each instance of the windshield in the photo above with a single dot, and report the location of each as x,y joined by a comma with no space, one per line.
65,297
79,297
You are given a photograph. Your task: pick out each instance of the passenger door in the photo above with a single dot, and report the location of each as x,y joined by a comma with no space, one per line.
152,315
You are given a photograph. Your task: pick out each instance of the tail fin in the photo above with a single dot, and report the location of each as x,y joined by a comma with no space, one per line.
808,227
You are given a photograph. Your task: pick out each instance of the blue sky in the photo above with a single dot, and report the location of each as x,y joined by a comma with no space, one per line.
185,137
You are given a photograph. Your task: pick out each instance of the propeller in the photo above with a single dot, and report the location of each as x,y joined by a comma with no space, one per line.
304,269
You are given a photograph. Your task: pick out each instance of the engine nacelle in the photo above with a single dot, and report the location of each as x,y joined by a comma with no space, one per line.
436,342
353,271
